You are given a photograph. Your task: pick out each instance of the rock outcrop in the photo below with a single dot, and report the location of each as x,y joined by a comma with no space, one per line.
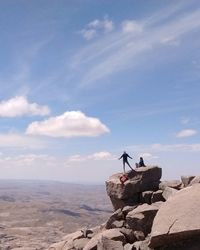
149,215
130,193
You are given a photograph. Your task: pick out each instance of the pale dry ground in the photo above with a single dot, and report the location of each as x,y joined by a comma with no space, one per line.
33,215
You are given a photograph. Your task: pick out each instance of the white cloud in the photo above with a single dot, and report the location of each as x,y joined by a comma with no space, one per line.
158,147
170,41
69,124
19,106
29,160
102,155
76,158
175,147
186,133
148,156
88,34
14,140
97,26
106,25
130,26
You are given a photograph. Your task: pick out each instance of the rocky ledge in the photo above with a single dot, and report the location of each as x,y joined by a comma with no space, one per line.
148,214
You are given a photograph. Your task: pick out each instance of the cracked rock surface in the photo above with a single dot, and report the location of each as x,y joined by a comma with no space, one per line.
178,218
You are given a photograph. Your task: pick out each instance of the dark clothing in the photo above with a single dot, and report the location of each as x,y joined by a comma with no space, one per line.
125,157
141,163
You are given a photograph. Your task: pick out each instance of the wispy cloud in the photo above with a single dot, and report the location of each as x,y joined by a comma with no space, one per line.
19,106
20,141
158,147
102,155
185,120
69,124
186,133
148,156
95,27
29,160
131,26
119,50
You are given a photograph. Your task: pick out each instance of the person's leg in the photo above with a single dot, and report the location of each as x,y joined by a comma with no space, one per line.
129,165
124,166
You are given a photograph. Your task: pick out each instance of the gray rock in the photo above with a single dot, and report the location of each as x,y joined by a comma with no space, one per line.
112,234
128,246
76,235
187,179
119,203
129,234
95,230
142,179
115,220
118,224
127,209
168,192
191,244
178,218
58,246
157,196
107,244
195,180
158,204
142,245
173,184
141,218
145,197
79,244
139,235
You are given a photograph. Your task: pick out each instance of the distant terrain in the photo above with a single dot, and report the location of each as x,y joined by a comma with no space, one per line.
34,214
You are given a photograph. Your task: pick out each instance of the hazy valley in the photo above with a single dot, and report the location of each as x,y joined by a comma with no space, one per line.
35,214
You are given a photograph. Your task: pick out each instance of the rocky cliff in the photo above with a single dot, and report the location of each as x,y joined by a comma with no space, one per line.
148,214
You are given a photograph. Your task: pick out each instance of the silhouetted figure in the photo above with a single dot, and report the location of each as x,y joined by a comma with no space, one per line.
125,157
141,163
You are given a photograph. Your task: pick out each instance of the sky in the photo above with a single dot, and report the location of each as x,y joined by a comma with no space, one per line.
82,81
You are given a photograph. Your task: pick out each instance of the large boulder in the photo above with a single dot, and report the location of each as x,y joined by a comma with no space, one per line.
178,219
140,180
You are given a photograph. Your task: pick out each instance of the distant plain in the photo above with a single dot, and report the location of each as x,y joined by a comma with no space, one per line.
34,214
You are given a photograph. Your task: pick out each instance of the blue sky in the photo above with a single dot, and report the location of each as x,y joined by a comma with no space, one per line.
82,81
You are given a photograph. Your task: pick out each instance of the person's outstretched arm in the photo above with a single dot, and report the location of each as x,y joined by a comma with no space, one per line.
129,156
120,157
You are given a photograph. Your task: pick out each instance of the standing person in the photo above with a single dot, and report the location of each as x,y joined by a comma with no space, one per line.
125,157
